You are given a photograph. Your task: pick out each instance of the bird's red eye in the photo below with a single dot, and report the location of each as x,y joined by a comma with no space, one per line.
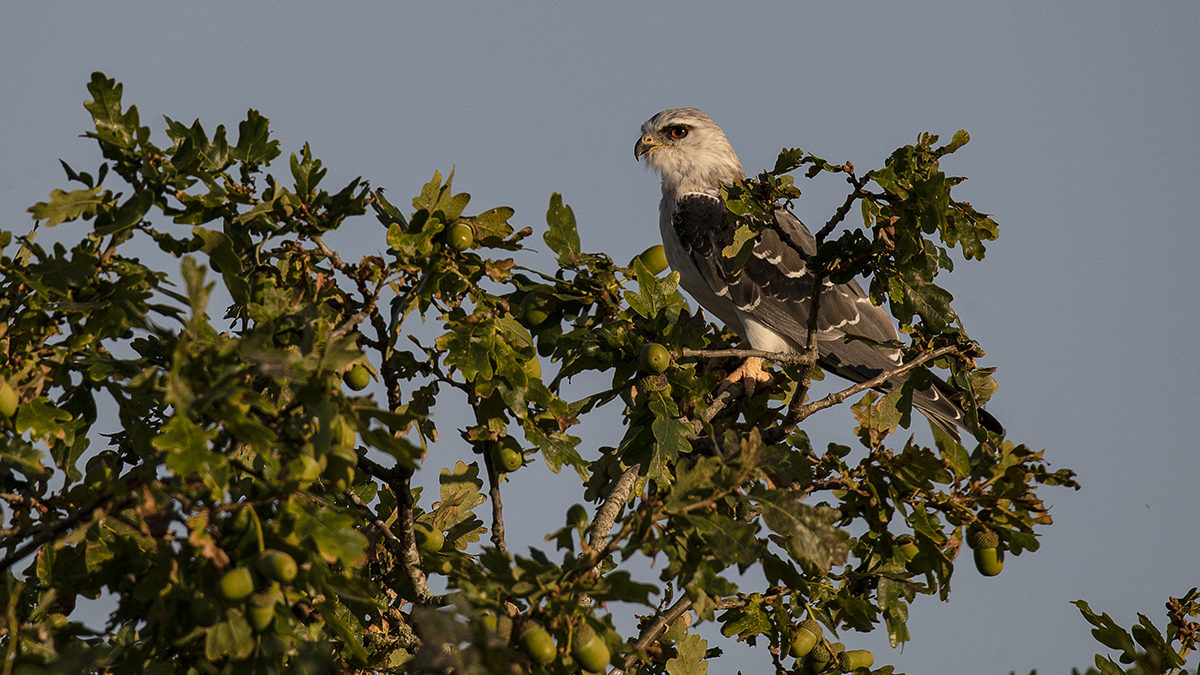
678,132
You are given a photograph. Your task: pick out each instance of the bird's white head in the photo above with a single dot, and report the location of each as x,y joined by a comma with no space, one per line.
689,151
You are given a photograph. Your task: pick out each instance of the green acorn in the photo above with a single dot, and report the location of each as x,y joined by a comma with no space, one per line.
589,649
858,658
989,561
654,358
537,643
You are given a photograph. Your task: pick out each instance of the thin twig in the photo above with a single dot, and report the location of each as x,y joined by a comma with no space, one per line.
791,358
797,413
329,253
52,530
349,324
840,213
14,626
657,626
837,397
497,504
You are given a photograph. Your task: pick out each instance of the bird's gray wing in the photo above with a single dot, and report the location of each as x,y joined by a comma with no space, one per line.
774,285
774,288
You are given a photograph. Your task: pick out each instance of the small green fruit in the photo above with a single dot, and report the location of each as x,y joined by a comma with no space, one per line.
429,538
358,377
802,643
989,561
236,584
507,455
589,650
260,610
204,610
8,399
537,643
103,468
461,236
858,658
504,628
536,308
277,566
654,358
808,634
654,258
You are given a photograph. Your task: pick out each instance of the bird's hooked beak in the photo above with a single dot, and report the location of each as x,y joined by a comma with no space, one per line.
644,144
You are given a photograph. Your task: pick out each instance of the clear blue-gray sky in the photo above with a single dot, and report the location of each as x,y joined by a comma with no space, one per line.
1083,119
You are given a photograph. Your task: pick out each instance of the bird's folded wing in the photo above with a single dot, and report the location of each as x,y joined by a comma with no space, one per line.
774,286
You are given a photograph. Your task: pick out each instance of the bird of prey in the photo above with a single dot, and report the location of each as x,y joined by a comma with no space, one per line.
767,300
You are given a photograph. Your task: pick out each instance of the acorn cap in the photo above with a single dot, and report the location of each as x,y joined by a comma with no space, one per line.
982,538
820,653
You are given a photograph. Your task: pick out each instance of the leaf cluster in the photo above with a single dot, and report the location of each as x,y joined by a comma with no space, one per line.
181,416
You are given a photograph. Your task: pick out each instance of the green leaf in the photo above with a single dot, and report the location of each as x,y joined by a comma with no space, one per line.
912,295
67,206
689,656
331,532
128,215
514,333
730,541
808,530
307,172
619,586
230,638
339,618
461,492
653,295
743,237
749,619
189,453
558,448
961,138
1106,630
112,125
670,435
254,144
221,253
469,349
562,237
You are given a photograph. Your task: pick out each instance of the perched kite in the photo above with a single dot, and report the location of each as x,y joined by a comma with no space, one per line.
767,301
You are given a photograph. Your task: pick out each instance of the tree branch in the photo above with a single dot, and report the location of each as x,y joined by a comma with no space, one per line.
497,504
398,480
840,213
51,530
659,624
790,358
797,413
